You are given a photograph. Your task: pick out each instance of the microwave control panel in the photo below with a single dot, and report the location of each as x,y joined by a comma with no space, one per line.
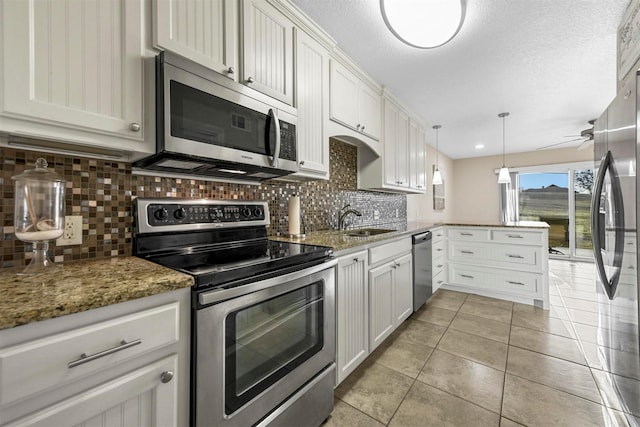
288,141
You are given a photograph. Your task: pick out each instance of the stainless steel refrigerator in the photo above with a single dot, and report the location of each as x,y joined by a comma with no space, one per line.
614,215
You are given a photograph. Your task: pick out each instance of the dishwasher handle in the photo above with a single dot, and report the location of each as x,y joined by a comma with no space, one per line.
416,239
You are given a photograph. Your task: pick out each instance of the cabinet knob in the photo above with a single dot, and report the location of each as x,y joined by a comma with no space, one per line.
358,126
231,70
301,162
355,260
362,128
250,80
135,127
166,376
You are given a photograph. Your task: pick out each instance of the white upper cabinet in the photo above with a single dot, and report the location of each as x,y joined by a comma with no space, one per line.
353,103
205,32
312,102
396,146
417,156
267,50
73,71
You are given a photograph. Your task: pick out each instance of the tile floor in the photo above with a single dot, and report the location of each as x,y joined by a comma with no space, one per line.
467,360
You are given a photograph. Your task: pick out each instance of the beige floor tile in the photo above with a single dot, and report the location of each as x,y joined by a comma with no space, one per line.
449,300
474,347
505,422
630,387
492,329
428,406
419,332
557,312
487,311
405,357
493,302
549,344
534,404
345,415
436,315
469,380
553,372
375,390
545,324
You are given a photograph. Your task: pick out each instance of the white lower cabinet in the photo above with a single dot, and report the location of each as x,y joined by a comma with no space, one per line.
390,289
502,262
121,365
352,314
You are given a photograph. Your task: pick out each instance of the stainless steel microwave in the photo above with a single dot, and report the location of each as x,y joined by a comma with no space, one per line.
209,125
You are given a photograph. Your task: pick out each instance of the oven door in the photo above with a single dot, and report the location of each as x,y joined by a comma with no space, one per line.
259,343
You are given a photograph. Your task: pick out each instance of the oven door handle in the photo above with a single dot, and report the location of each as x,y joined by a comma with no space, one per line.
218,295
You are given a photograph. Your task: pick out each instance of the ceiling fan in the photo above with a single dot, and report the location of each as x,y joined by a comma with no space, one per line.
586,136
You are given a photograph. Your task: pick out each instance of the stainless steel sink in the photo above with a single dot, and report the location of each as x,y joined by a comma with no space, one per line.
366,232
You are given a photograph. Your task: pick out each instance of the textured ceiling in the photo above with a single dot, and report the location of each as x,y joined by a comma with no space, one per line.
550,63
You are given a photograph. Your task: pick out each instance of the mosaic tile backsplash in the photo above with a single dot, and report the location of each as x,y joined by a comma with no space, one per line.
102,191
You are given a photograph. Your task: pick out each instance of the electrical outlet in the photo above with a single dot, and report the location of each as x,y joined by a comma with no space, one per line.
72,234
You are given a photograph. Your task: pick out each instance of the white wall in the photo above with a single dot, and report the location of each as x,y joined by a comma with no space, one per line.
474,195
420,206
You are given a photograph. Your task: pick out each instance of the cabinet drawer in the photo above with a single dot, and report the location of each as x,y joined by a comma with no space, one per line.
517,237
507,256
437,234
468,234
439,279
437,265
389,250
38,365
529,284
437,249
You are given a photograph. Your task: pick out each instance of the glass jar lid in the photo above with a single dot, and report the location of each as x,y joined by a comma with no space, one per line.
40,173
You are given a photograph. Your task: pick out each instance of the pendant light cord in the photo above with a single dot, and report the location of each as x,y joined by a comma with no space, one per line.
503,115
436,127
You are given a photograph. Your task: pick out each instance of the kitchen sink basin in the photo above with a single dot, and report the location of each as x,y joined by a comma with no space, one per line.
366,232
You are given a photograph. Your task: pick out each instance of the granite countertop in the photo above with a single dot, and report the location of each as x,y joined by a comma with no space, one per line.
81,286
343,244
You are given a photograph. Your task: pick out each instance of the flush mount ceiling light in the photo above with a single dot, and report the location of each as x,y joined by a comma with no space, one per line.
503,176
424,24
437,176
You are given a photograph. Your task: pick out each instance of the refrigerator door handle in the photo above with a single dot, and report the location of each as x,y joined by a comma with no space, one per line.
609,284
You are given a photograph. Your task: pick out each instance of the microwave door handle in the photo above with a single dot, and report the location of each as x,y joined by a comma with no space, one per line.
276,152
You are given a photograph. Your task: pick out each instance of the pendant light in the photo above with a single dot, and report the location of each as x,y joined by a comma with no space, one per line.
437,176
503,176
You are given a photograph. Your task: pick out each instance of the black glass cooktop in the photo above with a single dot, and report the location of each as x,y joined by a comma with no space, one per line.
217,265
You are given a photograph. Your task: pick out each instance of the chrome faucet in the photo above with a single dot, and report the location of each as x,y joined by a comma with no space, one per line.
343,215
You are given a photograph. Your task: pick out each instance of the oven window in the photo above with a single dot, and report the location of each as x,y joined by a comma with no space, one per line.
267,340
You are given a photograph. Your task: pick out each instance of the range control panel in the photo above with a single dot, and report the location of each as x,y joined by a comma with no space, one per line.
158,215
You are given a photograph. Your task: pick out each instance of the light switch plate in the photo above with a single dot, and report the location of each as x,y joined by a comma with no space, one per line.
72,231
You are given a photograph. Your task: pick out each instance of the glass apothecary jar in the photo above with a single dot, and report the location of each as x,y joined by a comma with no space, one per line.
39,213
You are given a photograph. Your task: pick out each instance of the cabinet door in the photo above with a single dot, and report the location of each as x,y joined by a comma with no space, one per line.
403,289
267,50
344,95
417,164
369,111
381,306
203,31
391,154
145,397
312,102
352,314
74,65
401,148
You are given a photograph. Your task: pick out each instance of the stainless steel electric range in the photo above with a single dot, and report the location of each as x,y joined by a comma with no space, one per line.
263,328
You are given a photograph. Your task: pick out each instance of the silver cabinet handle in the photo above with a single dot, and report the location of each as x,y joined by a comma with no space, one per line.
166,376
515,283
439,281
515,256
467,252
515,236
135,127
250,80
85,359
467,276
439,249
440,265
232,70
466,234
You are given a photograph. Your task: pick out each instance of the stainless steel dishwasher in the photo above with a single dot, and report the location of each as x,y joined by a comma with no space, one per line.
422,270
